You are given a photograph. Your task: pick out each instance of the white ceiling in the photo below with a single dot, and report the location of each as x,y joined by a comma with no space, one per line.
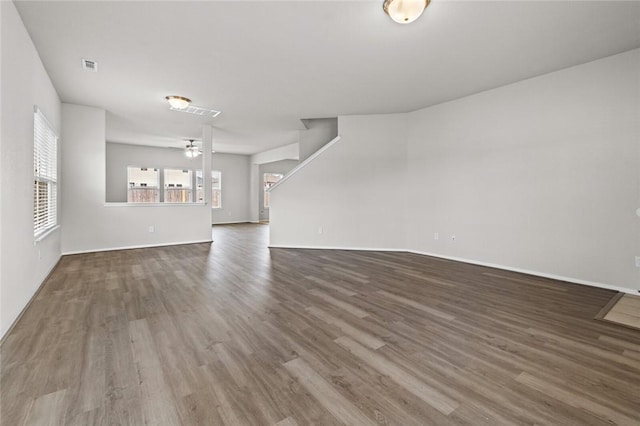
266,65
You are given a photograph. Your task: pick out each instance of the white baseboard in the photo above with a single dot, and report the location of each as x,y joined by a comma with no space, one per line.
335,248
29,302
473,262
135,247
529,272
457,259
231,223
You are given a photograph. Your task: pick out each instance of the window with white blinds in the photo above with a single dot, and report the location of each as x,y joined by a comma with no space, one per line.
45,175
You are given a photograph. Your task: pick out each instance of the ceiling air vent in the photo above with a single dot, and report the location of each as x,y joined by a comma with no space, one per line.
90,65
197,111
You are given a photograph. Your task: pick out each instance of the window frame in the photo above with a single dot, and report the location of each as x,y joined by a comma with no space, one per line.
219,189
45,171
157,187
192,188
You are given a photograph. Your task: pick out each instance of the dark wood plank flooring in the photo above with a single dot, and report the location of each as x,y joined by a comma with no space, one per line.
234,333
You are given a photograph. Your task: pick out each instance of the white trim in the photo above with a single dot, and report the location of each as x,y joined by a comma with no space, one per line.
120,204
45,234
529,272
231,223
304,163
37,109
335,248
67,253
29,302
473,262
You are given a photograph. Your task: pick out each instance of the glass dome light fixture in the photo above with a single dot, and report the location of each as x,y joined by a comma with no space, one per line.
178,102
405,11
191,151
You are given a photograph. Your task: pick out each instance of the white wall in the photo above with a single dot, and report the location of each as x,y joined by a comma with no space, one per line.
286,152
91,225
282,167
541,175
24,83
120,156
319,132
351,190
2,179
235,188
254,193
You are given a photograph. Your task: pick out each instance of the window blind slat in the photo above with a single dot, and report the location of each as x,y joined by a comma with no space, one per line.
45,172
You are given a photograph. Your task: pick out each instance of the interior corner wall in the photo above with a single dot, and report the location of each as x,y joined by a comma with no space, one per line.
90,224
350,196
235,169
24,82
282,167
541,175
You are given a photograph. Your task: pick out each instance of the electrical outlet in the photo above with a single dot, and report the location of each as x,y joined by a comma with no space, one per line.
320,230
152,228
637,261
436,236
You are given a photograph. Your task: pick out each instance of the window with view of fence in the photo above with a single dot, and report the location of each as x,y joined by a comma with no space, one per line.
177,186
144,185
216,188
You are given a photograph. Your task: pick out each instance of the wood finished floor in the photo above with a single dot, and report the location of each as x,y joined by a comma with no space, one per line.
626,311
234,333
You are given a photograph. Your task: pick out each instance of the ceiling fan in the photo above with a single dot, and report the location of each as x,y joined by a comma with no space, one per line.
191,150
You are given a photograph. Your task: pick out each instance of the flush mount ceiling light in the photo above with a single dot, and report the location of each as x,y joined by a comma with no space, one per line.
191,151
405,11
182,104
178,102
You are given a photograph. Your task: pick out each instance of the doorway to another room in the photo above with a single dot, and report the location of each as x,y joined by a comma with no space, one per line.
268,180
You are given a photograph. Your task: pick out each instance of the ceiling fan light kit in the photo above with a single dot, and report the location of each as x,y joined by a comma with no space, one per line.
191,151
405,11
